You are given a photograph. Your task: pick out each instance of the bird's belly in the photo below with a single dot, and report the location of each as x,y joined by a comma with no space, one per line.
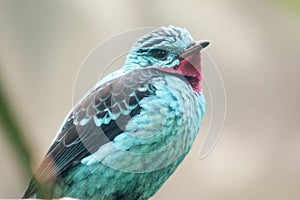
134,166
101,182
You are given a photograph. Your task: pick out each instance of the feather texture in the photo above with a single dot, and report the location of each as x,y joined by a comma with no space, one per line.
126,137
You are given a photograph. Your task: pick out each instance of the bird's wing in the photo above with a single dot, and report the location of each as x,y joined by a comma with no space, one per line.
96,120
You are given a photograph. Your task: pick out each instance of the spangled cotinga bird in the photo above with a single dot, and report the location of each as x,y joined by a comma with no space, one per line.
126,137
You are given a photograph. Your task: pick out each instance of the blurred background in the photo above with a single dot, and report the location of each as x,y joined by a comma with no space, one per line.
256,45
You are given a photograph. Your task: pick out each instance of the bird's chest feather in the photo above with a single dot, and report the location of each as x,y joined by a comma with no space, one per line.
149,150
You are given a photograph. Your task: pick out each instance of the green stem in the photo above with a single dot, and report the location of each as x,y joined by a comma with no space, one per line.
13,133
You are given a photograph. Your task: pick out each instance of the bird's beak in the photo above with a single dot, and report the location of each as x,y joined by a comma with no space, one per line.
194,49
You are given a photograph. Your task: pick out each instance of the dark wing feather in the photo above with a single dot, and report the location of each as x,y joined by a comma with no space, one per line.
116,101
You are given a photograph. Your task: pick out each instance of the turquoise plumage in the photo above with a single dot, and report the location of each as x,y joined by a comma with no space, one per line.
126,137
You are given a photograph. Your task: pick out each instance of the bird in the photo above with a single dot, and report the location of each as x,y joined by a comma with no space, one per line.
130,132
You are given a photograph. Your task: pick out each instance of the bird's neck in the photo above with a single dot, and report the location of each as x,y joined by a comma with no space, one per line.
190,69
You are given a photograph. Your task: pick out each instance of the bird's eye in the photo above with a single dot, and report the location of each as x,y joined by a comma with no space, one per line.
159,54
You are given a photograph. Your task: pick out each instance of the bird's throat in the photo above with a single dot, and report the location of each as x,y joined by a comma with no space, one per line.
190,69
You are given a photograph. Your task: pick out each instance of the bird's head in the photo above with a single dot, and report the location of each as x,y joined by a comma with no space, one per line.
170,49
